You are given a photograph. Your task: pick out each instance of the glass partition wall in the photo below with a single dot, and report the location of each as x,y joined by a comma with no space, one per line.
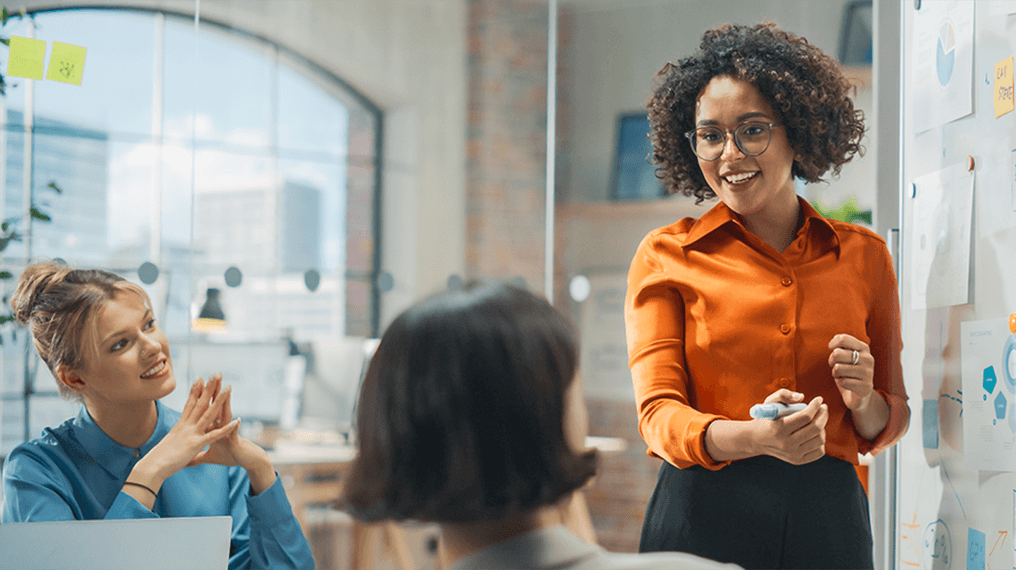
232,178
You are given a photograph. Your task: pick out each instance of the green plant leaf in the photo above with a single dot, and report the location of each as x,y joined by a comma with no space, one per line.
5,41
6,275
4,15
55,188
38,215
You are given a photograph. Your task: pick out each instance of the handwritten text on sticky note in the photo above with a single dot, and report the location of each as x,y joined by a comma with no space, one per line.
1003,87
26,58
66,63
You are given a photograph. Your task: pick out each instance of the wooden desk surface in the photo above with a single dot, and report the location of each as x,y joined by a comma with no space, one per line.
287,454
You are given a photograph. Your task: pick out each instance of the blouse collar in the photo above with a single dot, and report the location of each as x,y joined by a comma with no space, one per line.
114,458
721,215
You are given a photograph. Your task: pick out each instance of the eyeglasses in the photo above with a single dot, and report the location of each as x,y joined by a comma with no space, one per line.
751,137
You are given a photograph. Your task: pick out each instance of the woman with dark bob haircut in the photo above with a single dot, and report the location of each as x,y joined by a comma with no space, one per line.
462,421
761,300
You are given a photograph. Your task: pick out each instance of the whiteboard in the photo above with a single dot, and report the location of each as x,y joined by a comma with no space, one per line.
956,489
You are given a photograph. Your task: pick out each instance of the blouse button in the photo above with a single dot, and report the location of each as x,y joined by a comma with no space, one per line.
787,281
136,454
785,328
784,382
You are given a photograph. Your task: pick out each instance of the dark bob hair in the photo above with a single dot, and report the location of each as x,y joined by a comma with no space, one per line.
799,81
461,413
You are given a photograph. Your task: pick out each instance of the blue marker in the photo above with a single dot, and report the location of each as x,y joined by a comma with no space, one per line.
774,411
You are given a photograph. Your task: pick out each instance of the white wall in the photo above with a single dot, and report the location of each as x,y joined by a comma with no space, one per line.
409,58
618,47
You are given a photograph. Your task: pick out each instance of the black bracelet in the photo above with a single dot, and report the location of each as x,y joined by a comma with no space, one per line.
145,487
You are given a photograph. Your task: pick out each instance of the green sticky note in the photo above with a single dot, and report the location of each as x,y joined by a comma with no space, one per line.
66,63
27,57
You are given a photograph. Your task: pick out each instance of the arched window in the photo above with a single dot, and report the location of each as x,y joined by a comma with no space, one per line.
191,158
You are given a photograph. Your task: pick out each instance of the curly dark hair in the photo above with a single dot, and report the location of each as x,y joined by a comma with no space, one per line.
799,81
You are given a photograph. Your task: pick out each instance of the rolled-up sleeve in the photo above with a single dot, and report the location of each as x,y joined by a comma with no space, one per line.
886,346
654,326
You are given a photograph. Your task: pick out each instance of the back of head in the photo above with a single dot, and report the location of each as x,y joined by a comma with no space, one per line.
461,416
58,304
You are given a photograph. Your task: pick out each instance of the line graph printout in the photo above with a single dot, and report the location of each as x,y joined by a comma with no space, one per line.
989,386
943,63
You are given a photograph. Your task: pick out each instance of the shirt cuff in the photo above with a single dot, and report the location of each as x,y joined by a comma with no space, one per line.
127,507
267,505
899,419
694,441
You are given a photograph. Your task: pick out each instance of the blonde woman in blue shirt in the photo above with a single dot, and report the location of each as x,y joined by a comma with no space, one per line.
126,455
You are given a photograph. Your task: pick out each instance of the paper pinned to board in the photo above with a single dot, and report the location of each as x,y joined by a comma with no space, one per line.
1003,7
988,355
943,212
943,67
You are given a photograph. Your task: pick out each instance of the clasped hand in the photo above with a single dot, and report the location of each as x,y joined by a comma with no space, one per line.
206,433
854,379
798,438
195,430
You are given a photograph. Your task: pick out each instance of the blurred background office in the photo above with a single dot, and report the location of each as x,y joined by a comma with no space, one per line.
285,176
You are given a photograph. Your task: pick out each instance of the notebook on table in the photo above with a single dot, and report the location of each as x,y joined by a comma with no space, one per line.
184,543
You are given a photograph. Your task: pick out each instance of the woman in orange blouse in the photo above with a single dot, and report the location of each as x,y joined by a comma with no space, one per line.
761,300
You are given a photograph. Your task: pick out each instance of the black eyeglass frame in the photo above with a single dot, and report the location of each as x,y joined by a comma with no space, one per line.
737,141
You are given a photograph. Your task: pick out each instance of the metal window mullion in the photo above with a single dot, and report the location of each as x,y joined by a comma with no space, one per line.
28,167
155,245
548,250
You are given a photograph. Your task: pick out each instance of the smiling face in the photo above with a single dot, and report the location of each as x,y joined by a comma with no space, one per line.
748,185
131,364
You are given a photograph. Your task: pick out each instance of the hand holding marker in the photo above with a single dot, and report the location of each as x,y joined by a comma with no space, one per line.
774,410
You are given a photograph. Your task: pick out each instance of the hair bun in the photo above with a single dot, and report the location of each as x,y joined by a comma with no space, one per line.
34,281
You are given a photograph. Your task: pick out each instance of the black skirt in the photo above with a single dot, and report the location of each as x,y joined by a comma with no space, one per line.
763,513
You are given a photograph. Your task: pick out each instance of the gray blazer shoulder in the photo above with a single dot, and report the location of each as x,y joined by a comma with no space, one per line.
558,549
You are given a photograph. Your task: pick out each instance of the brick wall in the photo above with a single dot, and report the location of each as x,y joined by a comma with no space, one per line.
506,152
625,480
506,181
360,221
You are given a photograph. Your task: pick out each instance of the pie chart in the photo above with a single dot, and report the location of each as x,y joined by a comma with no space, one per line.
945,55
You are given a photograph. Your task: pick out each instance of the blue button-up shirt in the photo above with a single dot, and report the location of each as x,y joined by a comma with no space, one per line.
76,472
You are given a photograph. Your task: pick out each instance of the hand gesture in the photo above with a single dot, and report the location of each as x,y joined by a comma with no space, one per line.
798,438
232,450
853,369
194,431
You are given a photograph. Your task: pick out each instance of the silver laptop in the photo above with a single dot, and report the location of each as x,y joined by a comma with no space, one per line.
198,543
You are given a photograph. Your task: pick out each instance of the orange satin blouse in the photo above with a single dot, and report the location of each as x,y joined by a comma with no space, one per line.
716,320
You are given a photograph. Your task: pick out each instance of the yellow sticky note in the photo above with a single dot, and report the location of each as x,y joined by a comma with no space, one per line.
27,57
66,63
1003,87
